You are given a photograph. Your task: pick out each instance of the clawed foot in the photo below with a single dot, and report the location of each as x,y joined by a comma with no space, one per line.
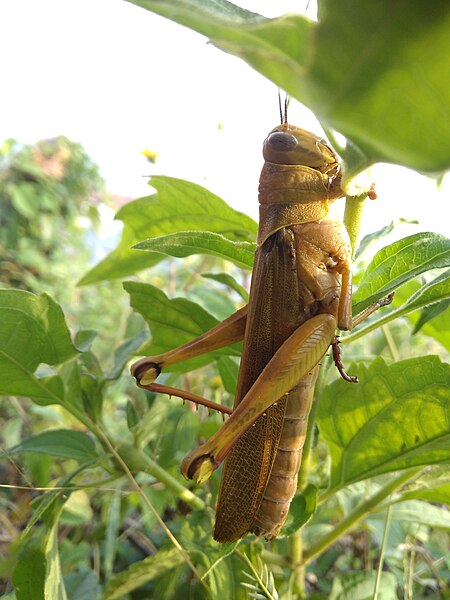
198,466
145,371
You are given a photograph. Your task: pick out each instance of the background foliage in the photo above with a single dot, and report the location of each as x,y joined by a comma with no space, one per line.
92,495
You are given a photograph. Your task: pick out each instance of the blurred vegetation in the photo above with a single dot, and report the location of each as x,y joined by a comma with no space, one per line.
92,505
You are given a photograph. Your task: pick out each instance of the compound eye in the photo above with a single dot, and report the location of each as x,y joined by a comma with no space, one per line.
279,140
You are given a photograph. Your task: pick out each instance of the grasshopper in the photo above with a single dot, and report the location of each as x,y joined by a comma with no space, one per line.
301,292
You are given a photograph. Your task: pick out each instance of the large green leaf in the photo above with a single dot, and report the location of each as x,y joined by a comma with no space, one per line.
353,68
186,243
399,262
178,205
396,418
173,323
32,331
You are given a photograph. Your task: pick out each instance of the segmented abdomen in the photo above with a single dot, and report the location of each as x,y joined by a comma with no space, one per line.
282,482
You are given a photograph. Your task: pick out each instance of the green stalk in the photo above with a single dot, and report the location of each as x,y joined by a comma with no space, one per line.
137,460
354,206
382,551
296,563
357,514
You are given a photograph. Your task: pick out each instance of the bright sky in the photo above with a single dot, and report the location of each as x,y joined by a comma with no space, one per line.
119,79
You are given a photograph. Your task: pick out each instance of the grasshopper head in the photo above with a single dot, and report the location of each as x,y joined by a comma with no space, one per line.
290,145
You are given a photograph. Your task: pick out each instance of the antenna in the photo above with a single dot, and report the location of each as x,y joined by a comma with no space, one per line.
279,106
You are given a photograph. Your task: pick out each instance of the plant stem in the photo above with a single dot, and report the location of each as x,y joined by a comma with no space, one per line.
391,343
296,563
354,206
358,513
387,525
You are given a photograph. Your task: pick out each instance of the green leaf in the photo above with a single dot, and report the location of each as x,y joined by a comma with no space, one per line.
302,508
375,236
32,331
386,109
439,328
229,371
431,312
433,485
396,418
186,243
82,585
142,572
371,100
84,338
361,585
228,280
177,205
123,353
173,323
62,443
399,262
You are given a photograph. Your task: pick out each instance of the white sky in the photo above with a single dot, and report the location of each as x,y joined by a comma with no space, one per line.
119,79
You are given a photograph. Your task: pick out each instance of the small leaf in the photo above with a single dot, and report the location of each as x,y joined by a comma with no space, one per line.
82,585
439,328
399,262
431,312
229,371
396,418
123,352
187,243
62,443
140,573
84,338
228,280
433,485
361,584
373,237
